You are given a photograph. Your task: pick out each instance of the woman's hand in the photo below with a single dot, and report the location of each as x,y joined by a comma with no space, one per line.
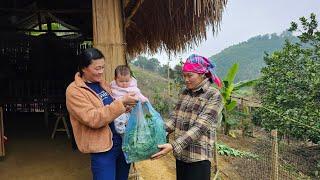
164,149
129,100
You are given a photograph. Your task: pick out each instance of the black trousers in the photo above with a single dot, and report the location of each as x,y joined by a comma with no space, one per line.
200,170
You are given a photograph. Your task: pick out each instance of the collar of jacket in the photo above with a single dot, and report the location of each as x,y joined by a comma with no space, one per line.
202,87
80,83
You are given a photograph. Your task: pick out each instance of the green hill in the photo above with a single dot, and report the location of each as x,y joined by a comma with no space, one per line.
249,55
155,88
149,82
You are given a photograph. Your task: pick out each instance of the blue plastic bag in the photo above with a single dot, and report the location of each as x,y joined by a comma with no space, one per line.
144,132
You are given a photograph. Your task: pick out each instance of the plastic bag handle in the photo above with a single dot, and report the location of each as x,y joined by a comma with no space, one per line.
149,107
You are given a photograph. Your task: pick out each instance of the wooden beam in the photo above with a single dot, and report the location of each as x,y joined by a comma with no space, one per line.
57,11
108,33
3,29
49,25
39,21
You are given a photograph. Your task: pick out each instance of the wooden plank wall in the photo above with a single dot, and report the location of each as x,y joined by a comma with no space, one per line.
2,151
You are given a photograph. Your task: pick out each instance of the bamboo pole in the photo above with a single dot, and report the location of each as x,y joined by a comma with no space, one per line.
108,33
216,175
274,156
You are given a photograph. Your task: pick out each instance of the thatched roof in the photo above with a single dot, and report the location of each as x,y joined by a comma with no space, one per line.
172,25
151,25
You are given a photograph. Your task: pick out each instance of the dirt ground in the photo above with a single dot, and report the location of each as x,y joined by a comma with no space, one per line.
33,157
160,169
32,154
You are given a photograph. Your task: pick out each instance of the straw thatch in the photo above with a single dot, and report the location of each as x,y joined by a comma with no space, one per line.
150,25
172,25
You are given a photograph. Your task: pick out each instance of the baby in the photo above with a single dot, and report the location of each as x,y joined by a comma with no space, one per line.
122,84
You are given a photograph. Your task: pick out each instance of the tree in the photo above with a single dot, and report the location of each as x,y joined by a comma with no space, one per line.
177,75
290,85
140,62
152,64
163,71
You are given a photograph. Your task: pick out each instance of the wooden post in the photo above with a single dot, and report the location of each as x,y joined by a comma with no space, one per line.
108,33
274,156
168,76
46,114
2,151
215,156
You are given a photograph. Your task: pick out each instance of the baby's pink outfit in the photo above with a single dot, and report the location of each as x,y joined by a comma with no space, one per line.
117,92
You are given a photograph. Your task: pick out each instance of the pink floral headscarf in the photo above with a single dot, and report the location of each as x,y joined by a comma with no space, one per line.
201,65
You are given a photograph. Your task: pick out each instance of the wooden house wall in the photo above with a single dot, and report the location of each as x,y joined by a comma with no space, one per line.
36,71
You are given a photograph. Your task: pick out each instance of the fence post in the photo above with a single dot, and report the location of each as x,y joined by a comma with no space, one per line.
215,156
274,156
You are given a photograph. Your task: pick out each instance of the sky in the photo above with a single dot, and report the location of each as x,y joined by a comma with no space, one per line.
243,19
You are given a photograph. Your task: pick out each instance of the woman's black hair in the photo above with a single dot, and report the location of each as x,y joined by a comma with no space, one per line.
87,56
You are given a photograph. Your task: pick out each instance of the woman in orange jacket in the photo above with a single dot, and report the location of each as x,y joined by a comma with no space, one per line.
92,110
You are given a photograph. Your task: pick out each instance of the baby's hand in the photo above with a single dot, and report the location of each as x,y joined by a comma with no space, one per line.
129,99
144,101
128,109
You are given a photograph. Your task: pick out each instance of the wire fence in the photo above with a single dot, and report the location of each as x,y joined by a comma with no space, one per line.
274,158
278,158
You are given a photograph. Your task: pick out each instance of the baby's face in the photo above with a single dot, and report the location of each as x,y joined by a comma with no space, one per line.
123,81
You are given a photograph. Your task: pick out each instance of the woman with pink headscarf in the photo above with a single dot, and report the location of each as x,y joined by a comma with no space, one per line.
194,120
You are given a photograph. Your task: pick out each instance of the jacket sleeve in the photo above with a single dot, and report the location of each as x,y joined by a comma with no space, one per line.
171,123
86,113
207,119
